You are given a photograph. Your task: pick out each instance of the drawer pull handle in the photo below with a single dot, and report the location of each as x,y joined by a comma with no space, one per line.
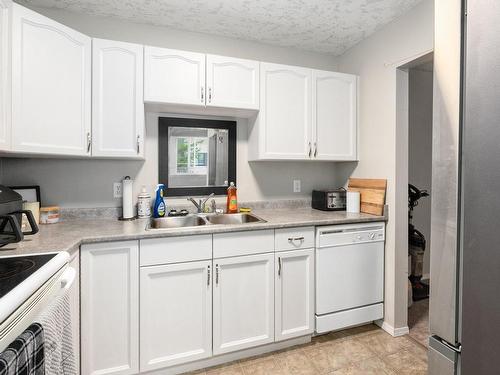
293,239
208,276
279,266
216,274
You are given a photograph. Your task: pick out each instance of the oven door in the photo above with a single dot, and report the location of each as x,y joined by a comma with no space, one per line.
24,316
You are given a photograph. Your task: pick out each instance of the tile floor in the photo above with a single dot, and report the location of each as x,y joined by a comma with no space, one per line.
418,321
362,350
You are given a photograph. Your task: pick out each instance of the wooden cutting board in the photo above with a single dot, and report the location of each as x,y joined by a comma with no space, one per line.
372,194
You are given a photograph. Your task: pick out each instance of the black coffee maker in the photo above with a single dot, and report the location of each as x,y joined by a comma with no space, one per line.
11,215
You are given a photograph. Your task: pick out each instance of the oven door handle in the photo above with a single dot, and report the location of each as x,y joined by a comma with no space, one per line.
16,234
67,279
31,220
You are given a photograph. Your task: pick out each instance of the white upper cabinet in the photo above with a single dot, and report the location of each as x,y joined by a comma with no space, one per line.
304,114
334,116
243,304
285,112
51,86
172,76
232,83
176,314
5,89
117,99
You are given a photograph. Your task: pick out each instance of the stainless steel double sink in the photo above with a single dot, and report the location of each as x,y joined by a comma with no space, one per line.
196,220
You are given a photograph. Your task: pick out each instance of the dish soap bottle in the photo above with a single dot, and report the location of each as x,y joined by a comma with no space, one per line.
232,200
159,207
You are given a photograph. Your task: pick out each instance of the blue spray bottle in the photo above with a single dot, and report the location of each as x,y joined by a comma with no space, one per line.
159,208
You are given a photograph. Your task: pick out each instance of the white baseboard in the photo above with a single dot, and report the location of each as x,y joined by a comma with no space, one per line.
394,332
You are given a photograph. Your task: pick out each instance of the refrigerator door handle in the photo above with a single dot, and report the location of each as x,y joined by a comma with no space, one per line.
457,349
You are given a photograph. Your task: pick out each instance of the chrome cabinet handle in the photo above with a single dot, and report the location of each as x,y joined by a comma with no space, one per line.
216,274
208,275
292,240
138,144
202,94
310,149
279,266
89,142
210,95
315,149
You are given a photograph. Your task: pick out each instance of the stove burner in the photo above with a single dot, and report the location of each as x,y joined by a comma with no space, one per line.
14,267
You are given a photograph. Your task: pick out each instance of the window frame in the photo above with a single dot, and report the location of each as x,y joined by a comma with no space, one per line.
164,123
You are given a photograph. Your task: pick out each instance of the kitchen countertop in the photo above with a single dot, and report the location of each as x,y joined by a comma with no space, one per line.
69,235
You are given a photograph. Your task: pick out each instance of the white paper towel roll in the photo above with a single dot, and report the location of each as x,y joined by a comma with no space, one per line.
128,200
353,201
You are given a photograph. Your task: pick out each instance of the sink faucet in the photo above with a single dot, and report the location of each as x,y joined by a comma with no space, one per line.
200,205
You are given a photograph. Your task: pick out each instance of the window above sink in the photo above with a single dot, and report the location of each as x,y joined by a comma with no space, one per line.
196,156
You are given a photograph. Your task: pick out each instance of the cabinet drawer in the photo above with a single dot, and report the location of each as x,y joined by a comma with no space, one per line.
243,243
175,249
294,238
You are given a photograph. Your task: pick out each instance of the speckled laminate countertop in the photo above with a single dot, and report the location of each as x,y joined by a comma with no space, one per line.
69,235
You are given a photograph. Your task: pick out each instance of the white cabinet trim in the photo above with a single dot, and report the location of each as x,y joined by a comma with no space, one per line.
5,75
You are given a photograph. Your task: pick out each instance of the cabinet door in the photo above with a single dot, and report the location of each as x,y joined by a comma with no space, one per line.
285,112
294,303
117,99
176,314
5,75
232,83
175,77
110,308
243,302
51,78
334,116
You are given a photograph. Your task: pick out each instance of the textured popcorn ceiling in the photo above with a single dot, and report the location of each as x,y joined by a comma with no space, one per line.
326,26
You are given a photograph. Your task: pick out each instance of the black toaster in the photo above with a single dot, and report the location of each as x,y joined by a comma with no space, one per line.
329,200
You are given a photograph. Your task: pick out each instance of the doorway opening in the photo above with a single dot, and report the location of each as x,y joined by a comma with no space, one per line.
420,83
414,179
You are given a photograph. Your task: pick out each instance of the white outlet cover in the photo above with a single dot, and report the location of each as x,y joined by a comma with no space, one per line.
117,190
296,186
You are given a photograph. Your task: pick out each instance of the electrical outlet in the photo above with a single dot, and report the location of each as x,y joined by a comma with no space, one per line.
117,190
296,186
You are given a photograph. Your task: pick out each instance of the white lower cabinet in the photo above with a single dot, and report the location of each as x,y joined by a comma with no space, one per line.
176,314
243,302
109,286
294,302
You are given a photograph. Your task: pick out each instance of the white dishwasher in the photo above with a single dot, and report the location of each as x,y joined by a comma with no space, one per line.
349,275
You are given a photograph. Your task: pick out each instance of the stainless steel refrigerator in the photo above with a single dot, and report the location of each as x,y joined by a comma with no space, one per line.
465,224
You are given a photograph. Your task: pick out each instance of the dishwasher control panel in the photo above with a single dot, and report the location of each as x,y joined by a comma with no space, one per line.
348,234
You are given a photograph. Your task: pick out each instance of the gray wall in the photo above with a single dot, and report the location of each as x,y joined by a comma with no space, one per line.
420,148
376,60
89,183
